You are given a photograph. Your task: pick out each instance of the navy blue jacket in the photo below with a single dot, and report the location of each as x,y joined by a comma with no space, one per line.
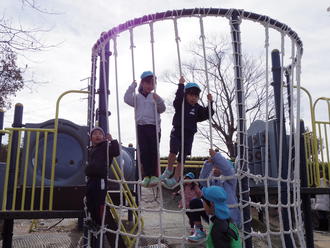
97,158
192,113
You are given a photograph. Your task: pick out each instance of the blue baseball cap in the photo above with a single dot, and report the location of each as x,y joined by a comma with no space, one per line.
214,193
146,74
190,175
218,196
191,85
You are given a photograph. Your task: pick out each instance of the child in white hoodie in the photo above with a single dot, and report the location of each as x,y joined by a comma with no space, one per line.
147,118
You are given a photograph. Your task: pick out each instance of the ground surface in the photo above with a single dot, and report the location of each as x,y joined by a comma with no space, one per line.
65,234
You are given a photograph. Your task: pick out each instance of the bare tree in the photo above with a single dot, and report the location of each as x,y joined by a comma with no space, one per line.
15,40
222,87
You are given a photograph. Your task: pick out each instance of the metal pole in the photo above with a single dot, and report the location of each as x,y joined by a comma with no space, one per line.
306,198
241,125
7,232
276,70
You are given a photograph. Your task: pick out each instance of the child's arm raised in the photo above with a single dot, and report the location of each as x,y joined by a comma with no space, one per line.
205,172
129,94
179,95
221,163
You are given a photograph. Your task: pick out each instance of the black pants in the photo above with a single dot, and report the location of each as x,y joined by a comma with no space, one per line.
95,194
176,143
148,149
196,216
323,220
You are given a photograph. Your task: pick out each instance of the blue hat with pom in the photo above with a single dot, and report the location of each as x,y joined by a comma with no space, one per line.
146,74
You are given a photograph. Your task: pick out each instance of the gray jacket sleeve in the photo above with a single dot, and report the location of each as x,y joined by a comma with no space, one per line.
160,105
205,172
129,94
223,164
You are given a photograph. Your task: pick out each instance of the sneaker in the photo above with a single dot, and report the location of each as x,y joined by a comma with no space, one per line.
198,236
145,182
170,183
153,181
166,174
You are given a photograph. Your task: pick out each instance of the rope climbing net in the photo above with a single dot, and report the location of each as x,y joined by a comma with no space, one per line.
267,162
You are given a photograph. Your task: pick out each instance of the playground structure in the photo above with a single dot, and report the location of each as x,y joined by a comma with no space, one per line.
35,154
28,196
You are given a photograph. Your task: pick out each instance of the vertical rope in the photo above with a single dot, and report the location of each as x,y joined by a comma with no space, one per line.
122,178
297,152
291,144
115,53
177,40
91,95
269,242
132,46
207,78
280,145
152,41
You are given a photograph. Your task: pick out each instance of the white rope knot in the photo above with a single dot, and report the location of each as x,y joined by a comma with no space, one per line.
258,178
202,36
115,50
177,38
152,39
131,38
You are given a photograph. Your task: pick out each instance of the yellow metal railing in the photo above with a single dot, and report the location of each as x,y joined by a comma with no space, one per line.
316,143
321,141
5,184
22,171
188,164
51,192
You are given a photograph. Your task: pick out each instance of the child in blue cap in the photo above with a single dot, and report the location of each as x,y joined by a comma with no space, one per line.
147,118
222,232
193,113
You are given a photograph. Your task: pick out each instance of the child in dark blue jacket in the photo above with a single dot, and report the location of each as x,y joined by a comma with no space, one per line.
193,113
96,171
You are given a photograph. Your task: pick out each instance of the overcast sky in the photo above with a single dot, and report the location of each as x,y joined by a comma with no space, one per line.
76,25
